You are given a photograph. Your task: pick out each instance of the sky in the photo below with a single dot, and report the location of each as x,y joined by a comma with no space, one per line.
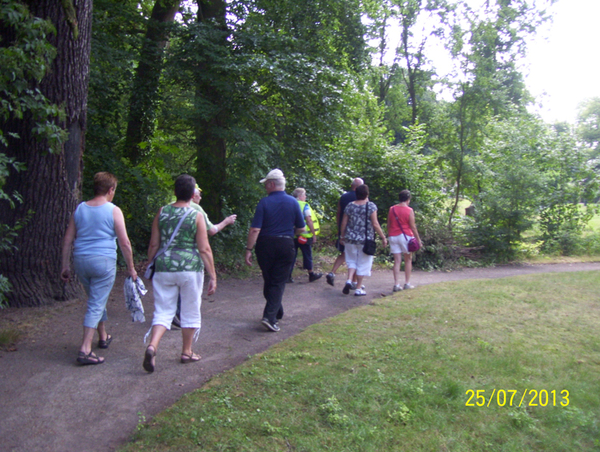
562,67
563,61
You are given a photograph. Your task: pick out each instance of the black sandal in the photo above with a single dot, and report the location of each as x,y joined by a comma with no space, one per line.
106,343
90,358
149,359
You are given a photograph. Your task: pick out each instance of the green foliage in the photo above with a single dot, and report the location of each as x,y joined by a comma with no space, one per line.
25,59
283,84
588,124
528,171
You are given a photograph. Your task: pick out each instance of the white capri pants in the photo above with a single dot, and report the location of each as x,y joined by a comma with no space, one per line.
399,244
355,258
167,287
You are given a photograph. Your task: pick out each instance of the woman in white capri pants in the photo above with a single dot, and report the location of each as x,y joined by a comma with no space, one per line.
179,270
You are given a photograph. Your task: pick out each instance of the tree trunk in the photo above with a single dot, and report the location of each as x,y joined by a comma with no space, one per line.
51,186
144,95
211,147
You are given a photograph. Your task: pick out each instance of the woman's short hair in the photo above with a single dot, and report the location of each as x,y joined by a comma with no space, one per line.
184,187
404,196
103,182
298,192
362,192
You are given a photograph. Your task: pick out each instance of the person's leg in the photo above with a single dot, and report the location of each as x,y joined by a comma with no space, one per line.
88,337
187,335
338,263
396,270
275,256
296,246
351,262
407,267
150,354
158,332
191,286
307,261
359,280
97,274
166,293
364,262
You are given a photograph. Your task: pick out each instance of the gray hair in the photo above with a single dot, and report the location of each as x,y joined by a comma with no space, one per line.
279,183
298,192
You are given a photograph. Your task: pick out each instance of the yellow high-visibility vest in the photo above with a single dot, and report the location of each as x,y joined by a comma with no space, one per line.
313,217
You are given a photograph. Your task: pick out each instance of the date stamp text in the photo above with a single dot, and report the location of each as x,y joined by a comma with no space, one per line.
513,397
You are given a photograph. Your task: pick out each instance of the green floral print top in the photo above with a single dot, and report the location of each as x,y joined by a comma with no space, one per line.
182,255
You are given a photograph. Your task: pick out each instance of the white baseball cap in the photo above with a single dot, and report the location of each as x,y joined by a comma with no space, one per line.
275,174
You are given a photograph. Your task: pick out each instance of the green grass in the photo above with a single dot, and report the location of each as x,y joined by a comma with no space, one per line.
9,337
396,376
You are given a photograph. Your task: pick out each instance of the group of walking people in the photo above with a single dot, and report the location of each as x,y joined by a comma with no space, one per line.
180,254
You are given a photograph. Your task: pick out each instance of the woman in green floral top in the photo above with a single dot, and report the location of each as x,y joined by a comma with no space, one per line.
179,271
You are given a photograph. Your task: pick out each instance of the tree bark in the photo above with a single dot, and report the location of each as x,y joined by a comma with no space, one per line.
144,95
51,186
211,146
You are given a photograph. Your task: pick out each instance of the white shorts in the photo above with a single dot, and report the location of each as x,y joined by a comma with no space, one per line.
355,258
399,244
167,287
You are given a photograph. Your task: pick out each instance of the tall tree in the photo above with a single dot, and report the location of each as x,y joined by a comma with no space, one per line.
486,82
588,125
145,93
51,186
212,105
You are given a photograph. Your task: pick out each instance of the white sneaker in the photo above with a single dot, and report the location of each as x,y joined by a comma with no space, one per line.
360,292
397,288
408,286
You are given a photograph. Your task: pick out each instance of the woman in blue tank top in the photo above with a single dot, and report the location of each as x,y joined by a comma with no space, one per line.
93,230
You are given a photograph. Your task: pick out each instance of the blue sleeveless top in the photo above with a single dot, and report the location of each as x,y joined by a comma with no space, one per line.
95,230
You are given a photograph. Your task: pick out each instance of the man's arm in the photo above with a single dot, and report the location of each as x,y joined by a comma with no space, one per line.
250,243
222,225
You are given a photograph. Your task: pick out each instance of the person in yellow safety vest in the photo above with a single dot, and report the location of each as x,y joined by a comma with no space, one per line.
305,240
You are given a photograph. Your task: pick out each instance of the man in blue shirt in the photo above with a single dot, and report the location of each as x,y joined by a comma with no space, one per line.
276,220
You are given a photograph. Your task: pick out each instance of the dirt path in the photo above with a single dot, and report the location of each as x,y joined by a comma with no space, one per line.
49,403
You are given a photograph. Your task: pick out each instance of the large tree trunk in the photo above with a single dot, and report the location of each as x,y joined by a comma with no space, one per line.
51,186
144,96
211,147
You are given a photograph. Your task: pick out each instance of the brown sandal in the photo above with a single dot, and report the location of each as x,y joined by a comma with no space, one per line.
149,359
106,343
186,359
90,358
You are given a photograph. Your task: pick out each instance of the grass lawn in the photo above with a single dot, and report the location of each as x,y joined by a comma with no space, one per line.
409,372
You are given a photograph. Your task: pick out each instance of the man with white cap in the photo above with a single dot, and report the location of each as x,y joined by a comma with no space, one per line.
276,220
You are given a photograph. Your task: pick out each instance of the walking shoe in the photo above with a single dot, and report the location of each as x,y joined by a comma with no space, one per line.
270,326
360,292
176,323
408,286
312,277
330,278
346,289
397,288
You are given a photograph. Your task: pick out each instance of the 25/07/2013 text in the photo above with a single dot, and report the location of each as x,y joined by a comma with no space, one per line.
506,397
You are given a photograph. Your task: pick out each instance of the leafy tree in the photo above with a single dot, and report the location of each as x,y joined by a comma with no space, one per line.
486,45
588,125
145,91
530,172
